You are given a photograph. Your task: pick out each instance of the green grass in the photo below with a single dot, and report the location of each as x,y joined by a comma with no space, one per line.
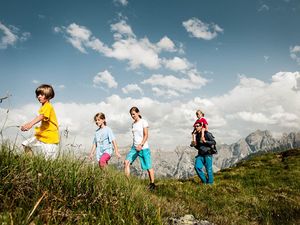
68,191
262,190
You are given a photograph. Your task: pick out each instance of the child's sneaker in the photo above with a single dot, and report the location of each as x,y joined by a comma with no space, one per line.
151,186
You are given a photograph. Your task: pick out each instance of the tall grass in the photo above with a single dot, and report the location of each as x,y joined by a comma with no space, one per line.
262,190
68,191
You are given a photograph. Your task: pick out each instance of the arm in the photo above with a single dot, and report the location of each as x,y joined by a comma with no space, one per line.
29,125
145,137
92,153
116,149
193,135
202,135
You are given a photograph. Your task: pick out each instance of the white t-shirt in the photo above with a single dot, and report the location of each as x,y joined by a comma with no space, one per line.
138,132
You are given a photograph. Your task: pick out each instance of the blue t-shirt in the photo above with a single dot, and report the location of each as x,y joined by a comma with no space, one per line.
103,141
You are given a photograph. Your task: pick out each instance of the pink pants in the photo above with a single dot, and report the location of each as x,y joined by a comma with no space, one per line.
104,160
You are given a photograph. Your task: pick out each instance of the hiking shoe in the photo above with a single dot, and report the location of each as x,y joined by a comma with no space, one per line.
151,186
193,144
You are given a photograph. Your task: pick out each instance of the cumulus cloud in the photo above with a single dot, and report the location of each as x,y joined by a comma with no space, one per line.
126,46
174,85
122,2
79,36
201,30
106,78
253,104
137,52
132,88
263,7
166,93
166,44
255,117
295,53
10,35
122,29
177,64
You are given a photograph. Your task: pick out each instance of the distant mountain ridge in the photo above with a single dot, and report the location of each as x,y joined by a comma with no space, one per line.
180,162
258,141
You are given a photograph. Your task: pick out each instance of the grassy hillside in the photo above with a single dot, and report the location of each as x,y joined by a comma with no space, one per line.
262,190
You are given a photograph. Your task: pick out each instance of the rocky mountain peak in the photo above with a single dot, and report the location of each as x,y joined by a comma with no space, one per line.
260,140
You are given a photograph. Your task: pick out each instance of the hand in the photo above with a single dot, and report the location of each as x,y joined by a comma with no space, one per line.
203,139
91,156
26,127
139,147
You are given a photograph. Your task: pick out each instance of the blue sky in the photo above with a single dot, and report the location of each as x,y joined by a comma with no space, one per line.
237,60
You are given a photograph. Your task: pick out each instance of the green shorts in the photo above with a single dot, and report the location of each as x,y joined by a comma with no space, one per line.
144,155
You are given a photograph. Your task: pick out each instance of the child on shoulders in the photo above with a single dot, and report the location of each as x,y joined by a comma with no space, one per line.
201,121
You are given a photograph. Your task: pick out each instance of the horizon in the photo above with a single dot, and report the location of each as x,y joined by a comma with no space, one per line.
238,62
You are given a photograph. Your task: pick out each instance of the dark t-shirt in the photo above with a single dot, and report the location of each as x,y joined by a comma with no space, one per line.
204,148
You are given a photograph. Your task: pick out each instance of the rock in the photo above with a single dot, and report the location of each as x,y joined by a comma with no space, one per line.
188,220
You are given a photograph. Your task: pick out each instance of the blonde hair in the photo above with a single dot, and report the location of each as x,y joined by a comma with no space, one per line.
45,89
101,116
199,111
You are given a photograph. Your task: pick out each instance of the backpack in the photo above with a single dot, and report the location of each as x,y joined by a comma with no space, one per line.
209,147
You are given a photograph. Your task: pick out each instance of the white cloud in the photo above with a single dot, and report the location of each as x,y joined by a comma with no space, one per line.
106,78
254,100
266,58
8,38
24,36
122,29
295,53
126,46
61,86
137,52
199,29
122,2
166,44
132,88
176,85
165,93
10,35
177,64
79,36
57,29
252,104
263,7
255,117
36,81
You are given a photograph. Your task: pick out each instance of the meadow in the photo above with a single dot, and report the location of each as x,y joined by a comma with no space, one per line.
264,189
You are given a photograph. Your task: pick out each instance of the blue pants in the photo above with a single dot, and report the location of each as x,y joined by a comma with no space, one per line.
200,163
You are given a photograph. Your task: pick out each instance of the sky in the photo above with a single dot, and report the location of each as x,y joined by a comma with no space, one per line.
237,60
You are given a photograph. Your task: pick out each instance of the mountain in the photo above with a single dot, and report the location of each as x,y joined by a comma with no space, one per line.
258,141
180,162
